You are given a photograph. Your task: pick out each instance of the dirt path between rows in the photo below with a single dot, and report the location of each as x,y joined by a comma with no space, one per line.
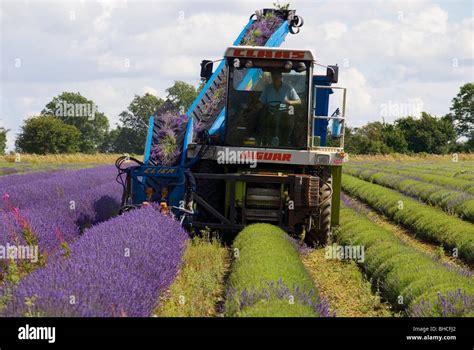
344,286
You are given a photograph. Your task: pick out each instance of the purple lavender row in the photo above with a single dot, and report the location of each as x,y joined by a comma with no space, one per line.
457,303
117,268
12,180
59,208
44,190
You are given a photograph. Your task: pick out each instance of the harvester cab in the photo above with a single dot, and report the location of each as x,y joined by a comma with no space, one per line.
261,143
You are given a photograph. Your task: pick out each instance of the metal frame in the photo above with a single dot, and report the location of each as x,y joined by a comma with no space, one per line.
230,223
327,117
277,38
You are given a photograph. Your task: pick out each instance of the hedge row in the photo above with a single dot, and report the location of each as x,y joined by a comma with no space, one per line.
428,222
451,201
409,279
441,180
268,278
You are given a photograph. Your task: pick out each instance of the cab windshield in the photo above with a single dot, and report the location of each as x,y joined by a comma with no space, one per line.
267,106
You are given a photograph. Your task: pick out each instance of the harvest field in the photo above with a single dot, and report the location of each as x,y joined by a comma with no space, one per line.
411,218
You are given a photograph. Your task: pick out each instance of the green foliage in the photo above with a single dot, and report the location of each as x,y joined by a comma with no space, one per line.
366,140
123,140
182,95
47,134
463,111
13,274
447,180
80,112
399,270
275,307
394,138
264,254
281,7
199,286
428,134
427,222
11,279
131,136
30,307
3,140
451,201
469,145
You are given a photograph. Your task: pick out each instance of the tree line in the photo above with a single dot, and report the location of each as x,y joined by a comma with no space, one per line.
72,123
453,132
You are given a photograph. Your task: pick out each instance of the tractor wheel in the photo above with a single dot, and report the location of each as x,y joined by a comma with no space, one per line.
212,191
321,230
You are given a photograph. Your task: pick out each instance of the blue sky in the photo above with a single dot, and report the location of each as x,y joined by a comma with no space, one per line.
413,55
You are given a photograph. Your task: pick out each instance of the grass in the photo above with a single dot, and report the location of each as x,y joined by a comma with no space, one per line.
405,276
344,286
428,222
199,286
268,277
414,157
98,158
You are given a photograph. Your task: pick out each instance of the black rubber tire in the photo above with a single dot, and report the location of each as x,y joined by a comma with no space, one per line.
212,191
319,234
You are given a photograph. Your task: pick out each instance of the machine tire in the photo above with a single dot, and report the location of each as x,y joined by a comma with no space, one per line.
320,233
212,191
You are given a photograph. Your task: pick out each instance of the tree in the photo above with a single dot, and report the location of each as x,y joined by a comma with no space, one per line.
463,110
131,136
48,134
366,139
80,112
393,137
121,140
469,144
182,95
3,140
428,134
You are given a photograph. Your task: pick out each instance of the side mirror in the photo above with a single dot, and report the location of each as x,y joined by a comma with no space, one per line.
206,69
332,73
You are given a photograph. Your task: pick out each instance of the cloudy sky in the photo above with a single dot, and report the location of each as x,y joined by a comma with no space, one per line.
395,57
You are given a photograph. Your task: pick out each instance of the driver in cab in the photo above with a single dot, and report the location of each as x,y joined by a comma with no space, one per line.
279,91
278,119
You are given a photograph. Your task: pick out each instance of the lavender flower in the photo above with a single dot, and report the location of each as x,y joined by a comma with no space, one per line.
67,202
453,304
167,149
117,268
280,290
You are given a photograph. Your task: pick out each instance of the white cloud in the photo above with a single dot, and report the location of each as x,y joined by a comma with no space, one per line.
333,30
404,52
359,103
150,90
431,19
